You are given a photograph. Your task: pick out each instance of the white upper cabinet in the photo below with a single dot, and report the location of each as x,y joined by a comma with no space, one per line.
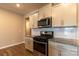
57,13
78,14
41,13
45,11
33,20
64,15
70,14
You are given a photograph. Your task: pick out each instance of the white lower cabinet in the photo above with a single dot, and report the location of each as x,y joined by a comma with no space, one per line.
52,49
68,50
69,53
29,43
59,49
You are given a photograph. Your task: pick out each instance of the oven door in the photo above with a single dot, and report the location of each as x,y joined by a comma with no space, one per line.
40,48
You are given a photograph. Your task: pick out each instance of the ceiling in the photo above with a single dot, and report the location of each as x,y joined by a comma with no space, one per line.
24,7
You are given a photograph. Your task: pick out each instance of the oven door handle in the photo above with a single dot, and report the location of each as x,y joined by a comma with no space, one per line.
39,42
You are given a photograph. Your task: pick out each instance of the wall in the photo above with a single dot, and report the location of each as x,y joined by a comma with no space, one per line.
68,33
11,28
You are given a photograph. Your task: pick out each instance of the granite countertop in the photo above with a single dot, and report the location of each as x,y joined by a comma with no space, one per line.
73,42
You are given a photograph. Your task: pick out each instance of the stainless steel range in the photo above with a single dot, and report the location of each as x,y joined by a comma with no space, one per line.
40,43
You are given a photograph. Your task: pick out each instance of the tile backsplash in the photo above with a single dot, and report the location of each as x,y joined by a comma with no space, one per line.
36,32
77,33
69,33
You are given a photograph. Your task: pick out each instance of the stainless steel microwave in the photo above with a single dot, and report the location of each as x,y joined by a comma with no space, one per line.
45,22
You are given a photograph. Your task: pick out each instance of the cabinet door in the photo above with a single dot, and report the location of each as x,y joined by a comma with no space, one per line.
68,50
69,14
52,50
45,11
41,13
29,43
78,13
48,10
60,49
68,53
33,20
64,15
57,14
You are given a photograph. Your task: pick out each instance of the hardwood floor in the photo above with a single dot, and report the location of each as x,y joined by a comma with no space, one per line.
18,50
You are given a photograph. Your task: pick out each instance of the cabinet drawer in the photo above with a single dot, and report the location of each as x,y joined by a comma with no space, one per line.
29,43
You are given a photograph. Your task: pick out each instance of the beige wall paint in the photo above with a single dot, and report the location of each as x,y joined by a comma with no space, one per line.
11,28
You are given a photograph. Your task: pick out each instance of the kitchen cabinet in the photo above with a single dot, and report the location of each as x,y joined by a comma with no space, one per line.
68,53
68,50
78,14
29,43
57,15
64,15
70,15
45,11
59,49
52,49
34,20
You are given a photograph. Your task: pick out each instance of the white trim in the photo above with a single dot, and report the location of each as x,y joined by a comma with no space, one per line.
11,45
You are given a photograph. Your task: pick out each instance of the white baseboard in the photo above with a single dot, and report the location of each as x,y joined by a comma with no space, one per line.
11,45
